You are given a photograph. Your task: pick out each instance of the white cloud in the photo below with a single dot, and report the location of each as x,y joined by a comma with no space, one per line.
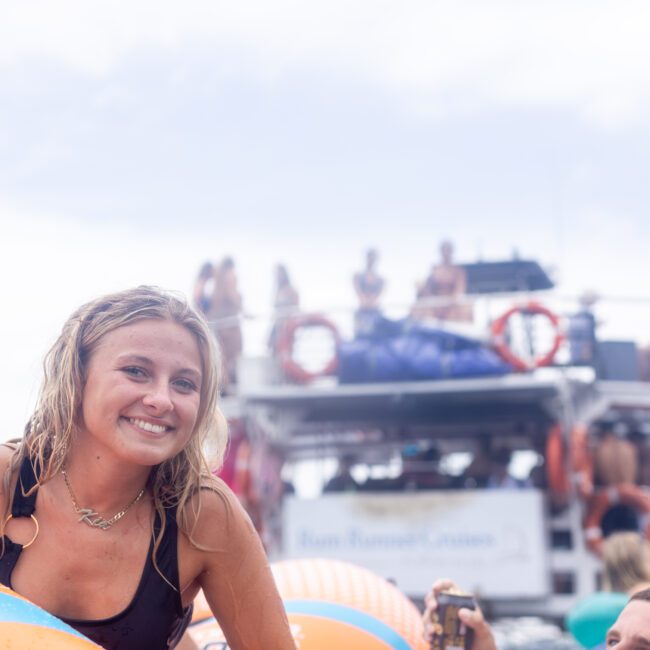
446,56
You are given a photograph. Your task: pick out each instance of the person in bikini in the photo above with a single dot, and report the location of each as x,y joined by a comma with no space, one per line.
112,519
225,319
368,287
441,294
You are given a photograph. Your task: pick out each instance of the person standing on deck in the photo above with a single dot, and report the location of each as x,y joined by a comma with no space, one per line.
368,287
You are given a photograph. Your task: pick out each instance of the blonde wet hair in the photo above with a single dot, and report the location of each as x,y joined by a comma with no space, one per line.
50,430
626,558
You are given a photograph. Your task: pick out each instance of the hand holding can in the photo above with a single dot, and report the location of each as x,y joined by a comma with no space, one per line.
449,631
449,623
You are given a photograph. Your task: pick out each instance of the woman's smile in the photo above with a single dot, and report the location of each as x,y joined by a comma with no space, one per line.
149,427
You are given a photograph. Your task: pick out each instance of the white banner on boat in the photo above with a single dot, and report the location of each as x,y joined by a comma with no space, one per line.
489,541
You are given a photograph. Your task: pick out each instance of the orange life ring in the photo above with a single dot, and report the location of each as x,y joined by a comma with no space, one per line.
244,484
601,501
582,462
556,470
284,348
499,340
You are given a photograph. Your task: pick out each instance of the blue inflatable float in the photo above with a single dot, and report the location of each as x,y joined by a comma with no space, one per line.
28,627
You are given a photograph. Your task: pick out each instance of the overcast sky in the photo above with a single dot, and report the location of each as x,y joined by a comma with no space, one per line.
139,138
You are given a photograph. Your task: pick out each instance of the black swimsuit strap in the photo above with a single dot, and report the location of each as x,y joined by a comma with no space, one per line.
155,618
24,504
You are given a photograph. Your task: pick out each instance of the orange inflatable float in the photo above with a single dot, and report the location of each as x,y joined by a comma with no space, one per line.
332,604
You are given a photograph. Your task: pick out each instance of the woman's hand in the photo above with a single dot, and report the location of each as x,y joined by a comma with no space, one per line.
473,618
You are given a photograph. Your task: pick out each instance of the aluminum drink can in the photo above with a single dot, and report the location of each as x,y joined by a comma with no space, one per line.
449,632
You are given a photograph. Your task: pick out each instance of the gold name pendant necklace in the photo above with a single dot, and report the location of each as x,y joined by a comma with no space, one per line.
90,516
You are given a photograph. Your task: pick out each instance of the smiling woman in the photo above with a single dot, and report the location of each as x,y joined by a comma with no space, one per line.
146,379
112,520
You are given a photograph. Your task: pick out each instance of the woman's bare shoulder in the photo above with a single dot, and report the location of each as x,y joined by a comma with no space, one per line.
6,454
216,518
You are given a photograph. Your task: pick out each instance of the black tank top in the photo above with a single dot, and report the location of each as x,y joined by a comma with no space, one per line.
155,618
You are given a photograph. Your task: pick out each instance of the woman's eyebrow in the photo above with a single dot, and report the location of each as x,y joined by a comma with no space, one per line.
135,358
191,371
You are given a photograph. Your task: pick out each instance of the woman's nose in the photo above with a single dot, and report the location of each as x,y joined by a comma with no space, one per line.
159,398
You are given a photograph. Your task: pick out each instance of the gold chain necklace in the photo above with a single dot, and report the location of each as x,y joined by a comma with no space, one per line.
90,516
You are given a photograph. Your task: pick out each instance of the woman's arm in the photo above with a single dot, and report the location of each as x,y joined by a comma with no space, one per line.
236,578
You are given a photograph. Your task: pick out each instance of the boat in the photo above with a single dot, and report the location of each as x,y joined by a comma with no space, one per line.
522,548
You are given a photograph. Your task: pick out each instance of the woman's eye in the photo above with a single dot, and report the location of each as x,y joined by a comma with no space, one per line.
134,371
185,385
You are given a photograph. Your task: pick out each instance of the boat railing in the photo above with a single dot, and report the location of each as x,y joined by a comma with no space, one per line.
614,326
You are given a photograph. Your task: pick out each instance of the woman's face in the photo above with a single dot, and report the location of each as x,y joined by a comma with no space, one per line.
631,630
142,393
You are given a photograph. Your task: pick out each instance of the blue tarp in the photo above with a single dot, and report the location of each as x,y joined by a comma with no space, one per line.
408,351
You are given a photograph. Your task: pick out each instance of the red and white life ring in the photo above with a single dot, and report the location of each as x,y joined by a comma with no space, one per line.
285,343
501,346
601,501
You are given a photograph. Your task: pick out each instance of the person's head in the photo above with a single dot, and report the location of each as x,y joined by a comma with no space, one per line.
207,270
420,459
59,414
430,455
484,445
346,463
226,268
225,279
632,628
282,275
501,458
588,299
626,558
604,427
447,251
372,255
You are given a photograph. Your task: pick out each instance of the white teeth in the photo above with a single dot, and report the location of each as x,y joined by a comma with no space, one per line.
147,426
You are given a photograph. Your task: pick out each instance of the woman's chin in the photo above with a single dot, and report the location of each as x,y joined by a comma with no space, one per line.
147,454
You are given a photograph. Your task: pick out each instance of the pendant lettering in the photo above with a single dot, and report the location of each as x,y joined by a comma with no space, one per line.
87,515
